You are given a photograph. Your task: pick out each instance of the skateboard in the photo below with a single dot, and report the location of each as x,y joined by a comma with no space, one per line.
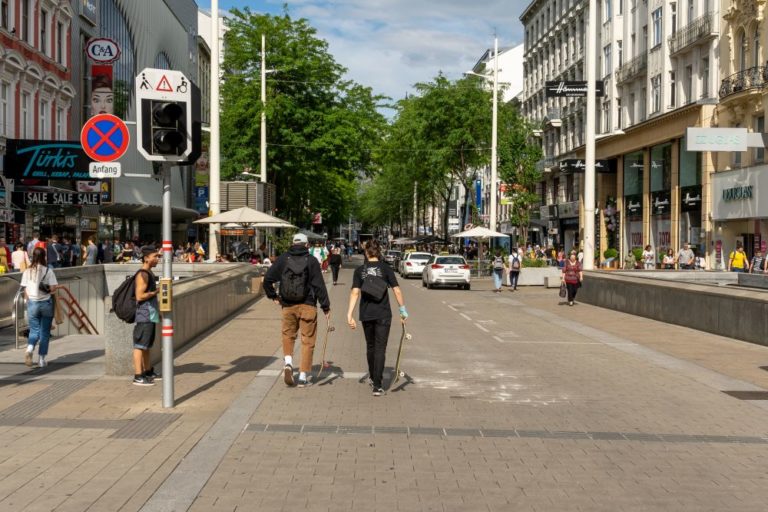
405,336
323,364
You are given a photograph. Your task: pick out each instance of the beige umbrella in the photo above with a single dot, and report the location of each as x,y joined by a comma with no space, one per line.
480,232
247,216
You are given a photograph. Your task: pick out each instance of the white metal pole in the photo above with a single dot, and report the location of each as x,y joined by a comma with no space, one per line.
494,135
214,195
589,172
167,323
263,148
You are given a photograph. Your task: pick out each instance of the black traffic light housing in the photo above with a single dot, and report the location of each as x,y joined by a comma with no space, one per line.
165,127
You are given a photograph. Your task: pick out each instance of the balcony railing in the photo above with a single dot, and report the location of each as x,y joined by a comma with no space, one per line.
632,69
700,28
752,78
545,163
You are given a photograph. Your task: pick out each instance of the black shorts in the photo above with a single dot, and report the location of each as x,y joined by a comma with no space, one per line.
144,335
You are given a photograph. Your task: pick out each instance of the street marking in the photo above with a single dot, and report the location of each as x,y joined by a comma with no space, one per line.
465,317
486,321
481,327
451,306
509,334
545,342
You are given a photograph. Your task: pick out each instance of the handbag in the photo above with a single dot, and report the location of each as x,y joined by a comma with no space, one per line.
44,287
562,290
374,287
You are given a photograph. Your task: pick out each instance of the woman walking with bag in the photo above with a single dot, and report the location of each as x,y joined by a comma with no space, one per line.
39,282
572,276
370,283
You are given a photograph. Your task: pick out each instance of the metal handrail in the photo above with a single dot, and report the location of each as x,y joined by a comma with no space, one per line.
701,27
632,68
15,313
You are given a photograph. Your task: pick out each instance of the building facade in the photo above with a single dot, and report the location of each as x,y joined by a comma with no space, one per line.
657,61
36,86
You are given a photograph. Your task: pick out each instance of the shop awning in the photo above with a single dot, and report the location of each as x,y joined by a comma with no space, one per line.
148,212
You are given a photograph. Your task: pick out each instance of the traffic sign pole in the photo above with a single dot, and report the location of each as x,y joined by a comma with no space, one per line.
167,325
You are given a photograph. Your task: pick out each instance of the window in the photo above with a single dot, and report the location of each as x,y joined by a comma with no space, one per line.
656,93
759,128
736,155
705,77
621,7
672,92
607,60
4,19
756,48
25,128
4,114
60,122
657,34
743,51
44,128
606,10
606,117
688,84
44,32
618,114
60,42
620,53
644,46
26,34
631,109
673,16
690,10
643,103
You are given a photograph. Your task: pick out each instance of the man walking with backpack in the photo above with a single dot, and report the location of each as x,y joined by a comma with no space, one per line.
301,288
515,264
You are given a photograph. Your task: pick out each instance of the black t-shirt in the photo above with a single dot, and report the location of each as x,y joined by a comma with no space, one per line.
370,309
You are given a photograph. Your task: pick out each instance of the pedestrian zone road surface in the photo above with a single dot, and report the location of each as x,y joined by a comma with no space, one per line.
510,402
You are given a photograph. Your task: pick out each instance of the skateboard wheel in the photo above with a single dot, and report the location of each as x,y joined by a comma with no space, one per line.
402,374
408,337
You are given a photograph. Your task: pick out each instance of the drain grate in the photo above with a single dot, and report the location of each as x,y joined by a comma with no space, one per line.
506,433
42,400
146,425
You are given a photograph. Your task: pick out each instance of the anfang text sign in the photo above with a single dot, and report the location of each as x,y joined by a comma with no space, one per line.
571,89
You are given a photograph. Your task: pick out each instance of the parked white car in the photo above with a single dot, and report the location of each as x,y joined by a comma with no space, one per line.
390,256
413,263
446,270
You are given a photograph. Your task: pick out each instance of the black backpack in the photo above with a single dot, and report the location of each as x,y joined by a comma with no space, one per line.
66,255
124,299
294,283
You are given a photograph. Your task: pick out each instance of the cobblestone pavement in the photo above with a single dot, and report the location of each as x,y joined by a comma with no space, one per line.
510,401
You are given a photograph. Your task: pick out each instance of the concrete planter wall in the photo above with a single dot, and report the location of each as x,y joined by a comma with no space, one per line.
537,276
725,310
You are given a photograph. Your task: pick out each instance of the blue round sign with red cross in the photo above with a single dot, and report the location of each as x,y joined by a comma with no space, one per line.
105,138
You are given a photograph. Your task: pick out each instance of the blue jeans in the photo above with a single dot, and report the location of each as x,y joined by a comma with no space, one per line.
40,314
497,278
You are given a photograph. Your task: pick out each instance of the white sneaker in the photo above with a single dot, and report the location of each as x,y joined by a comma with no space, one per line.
42,363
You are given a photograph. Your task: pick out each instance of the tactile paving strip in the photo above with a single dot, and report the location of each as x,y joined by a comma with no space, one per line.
146,425
42,400
510,433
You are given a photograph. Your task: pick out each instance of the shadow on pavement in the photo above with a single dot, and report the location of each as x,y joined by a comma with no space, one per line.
407,380
330,373
241,364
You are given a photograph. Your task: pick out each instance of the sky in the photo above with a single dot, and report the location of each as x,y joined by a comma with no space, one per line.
389,45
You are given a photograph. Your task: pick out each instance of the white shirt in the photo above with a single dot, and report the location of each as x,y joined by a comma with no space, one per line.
19,257
32,278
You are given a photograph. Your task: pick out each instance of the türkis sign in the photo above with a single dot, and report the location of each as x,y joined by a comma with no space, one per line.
45,160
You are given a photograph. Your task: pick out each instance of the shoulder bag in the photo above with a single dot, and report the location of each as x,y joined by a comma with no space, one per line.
373,286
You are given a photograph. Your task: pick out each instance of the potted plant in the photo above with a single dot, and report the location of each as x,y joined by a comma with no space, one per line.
611,255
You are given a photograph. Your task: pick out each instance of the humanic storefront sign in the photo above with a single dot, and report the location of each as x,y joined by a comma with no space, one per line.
571,89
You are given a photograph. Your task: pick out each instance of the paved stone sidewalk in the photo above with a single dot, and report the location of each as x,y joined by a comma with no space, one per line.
510,402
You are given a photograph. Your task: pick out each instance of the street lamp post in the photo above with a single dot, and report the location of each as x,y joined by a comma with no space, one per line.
214,196
492,214
263,148
589,172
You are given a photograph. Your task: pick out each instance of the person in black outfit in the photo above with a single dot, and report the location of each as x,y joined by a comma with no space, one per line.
300,314
335,262
375,315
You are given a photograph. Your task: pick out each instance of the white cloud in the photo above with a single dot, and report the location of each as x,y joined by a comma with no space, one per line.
389,45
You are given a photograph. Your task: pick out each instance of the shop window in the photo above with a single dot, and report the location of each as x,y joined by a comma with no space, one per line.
760,128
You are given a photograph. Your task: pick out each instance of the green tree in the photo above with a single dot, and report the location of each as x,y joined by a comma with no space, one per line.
518,155
321,128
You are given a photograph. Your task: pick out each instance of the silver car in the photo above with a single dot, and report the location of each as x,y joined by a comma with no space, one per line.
413,264
446,270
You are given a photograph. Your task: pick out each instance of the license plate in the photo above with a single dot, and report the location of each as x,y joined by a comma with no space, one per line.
451,271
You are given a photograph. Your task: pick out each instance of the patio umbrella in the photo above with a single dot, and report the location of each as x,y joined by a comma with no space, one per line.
480,232
311,236
247,216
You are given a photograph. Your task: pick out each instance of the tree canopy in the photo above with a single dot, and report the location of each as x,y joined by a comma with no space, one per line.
322,129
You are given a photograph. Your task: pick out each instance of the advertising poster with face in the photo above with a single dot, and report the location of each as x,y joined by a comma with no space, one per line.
102,94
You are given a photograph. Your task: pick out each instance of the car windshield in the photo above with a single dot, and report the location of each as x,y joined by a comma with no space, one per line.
393,253
422,257
451,260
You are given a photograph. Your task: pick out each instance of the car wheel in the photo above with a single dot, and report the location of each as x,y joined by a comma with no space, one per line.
423,283
430,286
466,286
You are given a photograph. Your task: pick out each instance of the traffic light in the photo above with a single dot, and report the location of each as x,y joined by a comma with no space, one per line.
168,117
